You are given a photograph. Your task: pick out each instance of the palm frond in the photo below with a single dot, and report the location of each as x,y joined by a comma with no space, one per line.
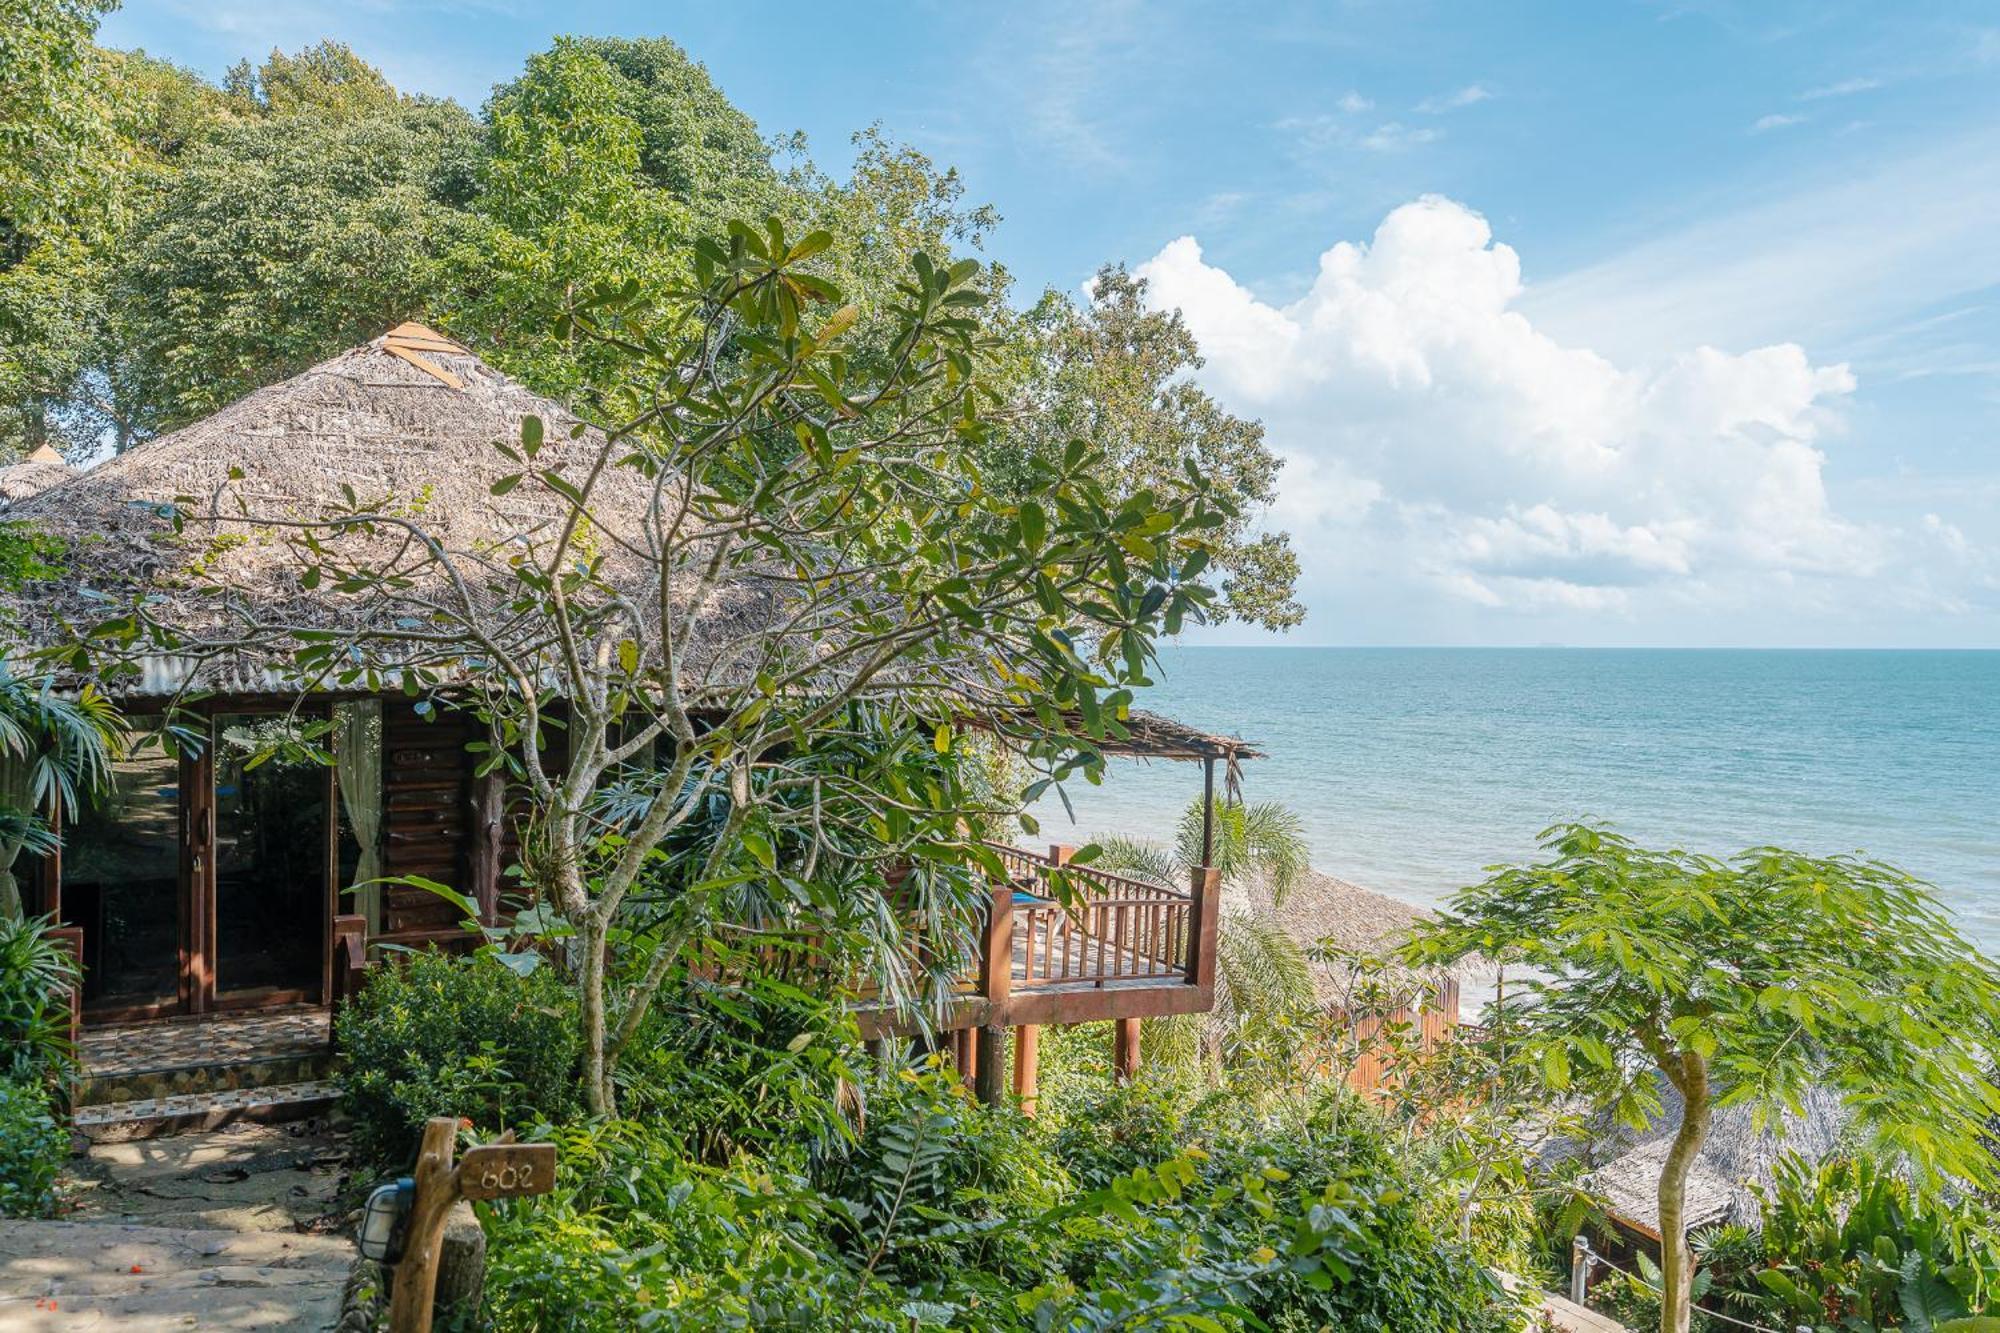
1138,859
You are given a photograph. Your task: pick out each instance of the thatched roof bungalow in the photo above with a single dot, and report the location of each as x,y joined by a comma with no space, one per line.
203,883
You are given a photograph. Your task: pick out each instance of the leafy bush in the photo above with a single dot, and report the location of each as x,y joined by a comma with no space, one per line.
34,1026
1849,1243
439,1035
32,1149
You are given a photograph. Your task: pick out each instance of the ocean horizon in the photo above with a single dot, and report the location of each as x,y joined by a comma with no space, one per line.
1414,769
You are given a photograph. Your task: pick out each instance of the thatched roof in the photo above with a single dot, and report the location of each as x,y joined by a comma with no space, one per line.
32,475
1737,1156
411,419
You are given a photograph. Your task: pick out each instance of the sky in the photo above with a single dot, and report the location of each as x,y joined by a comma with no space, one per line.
1659,322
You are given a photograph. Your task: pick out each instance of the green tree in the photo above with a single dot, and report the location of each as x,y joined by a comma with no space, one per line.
1115,373
694,143
52,122
60,337
564,210
326,80
904,604
1740,982
282,241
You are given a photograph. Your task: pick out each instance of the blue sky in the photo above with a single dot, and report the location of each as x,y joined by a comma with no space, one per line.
1652,323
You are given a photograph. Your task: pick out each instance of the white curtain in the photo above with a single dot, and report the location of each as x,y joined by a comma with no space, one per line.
358,766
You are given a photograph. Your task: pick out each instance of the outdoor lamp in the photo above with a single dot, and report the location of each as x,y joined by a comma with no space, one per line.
381,1233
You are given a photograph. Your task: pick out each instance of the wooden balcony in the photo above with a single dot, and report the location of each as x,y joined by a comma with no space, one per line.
1117,948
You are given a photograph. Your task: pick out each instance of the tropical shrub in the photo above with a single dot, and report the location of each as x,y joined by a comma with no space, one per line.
1847,1244
432,1034
32,1149
34,1024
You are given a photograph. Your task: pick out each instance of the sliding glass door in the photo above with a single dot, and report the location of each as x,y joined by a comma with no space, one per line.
273,852
122,866
201,881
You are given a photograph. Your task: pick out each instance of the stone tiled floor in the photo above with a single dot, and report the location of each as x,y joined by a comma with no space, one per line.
127,1048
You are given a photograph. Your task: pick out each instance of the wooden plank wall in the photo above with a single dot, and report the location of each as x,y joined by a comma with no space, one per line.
426,818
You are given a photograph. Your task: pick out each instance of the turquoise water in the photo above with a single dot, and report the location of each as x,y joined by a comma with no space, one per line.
1415,768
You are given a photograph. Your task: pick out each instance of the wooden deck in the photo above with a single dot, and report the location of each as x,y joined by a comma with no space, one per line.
1070,944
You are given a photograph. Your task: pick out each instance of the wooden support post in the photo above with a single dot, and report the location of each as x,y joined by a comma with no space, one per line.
1060,854
1205,884
996,952
1208,811
989,1081
504,1170
1027,1064
350,962
1125,1050
489,811
437,1190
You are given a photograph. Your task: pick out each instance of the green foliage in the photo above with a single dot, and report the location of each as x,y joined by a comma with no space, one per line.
436,1035
33,1148
50,121
282,241
326,80
34,1023
1745,981
1849,1244
1115,373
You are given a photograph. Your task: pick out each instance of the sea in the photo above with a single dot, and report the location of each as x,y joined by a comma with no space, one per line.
1414,769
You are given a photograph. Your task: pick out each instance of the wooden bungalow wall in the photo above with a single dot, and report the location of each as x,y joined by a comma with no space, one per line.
426,818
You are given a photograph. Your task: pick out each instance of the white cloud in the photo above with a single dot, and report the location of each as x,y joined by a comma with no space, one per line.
1354,103
1437,439
1464,97
1845,88
1392,137
1775,122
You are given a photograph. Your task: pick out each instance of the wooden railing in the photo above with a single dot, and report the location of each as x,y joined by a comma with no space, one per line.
1113,928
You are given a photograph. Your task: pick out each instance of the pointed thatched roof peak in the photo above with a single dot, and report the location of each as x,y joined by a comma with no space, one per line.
32,475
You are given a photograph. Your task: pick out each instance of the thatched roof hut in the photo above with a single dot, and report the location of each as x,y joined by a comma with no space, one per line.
32,475
1736,1157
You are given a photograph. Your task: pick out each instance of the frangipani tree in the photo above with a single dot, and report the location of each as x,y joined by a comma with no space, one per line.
730,640
1740,981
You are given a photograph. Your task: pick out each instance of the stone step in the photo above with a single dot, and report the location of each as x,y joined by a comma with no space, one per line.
153,1117
102,1087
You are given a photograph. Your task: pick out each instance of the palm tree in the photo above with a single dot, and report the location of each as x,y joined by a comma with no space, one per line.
1261,973
55,752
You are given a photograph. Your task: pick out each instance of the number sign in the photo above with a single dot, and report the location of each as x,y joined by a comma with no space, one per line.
507,1170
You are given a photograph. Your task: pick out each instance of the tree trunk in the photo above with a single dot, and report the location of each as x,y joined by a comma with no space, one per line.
596,1070
1690,1079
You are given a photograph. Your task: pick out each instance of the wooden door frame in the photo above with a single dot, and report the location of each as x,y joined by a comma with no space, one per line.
196,898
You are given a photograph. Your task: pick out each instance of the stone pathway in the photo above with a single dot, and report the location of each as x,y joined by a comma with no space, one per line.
238,1228
84,1276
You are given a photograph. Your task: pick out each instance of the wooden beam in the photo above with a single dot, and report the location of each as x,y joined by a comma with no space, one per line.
1027,1065
1125,1050
990,1065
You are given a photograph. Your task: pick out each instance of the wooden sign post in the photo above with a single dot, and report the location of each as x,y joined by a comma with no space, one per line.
504,1170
